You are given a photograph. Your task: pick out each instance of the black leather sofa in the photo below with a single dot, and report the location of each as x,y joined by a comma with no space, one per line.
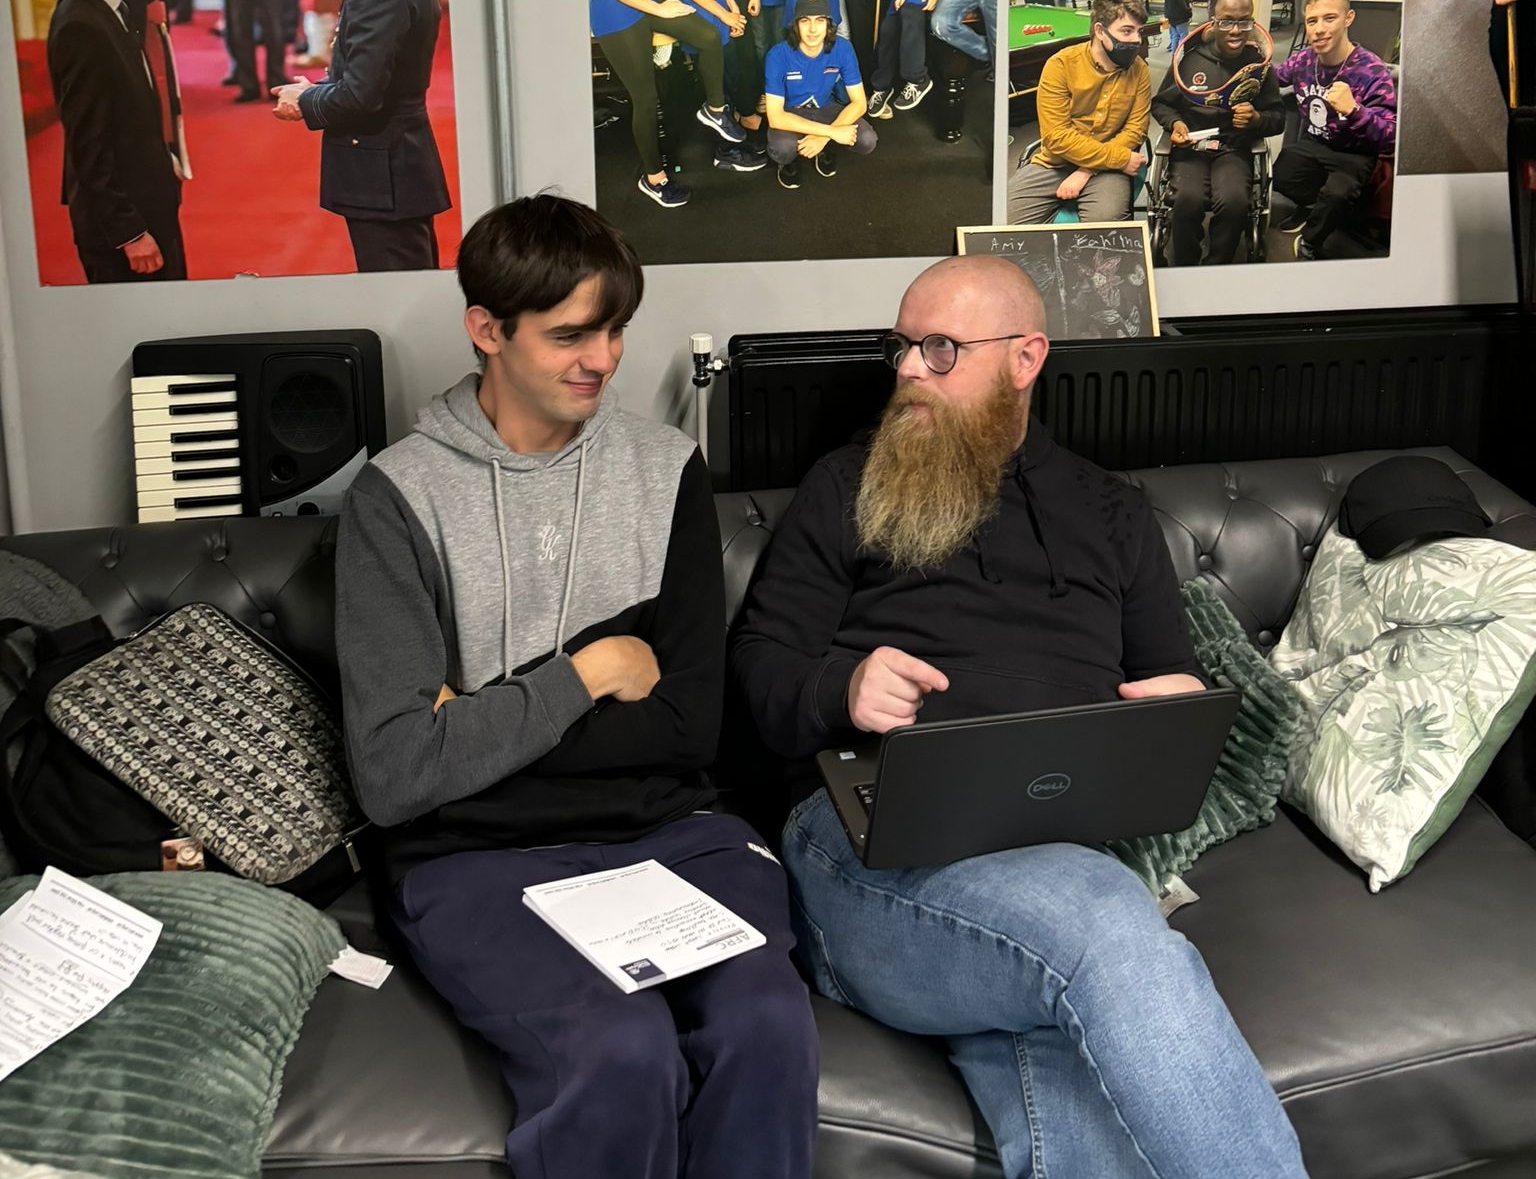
1399,1029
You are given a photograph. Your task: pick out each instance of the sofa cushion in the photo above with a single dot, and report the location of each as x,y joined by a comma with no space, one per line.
387,1078
1413,671
1399,1028
1246,785
179,1074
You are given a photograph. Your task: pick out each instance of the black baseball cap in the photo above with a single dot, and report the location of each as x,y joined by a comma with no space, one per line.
805,8
1405,500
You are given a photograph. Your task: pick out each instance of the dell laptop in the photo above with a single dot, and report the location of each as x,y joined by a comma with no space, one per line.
929,794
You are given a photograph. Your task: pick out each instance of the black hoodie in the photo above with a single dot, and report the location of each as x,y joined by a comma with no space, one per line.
1066,593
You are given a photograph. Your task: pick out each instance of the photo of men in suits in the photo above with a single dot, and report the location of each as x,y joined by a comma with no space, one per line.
379,164
120,181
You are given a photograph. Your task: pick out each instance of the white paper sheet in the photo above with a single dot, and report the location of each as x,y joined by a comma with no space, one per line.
66,951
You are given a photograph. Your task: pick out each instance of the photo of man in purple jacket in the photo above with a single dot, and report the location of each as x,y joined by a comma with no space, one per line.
1348,107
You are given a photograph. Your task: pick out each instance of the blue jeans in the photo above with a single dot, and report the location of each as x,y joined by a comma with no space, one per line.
1089,1032
1176,33
947,26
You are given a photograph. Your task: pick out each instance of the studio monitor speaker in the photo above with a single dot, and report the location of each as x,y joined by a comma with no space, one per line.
308,410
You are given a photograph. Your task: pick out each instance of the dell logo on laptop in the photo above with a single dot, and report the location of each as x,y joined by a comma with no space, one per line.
1048,786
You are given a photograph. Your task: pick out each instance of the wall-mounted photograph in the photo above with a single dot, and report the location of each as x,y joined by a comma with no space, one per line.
183,139
1240,130
760,130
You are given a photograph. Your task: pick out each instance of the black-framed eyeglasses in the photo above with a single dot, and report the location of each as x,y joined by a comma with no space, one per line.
939,352
1228,25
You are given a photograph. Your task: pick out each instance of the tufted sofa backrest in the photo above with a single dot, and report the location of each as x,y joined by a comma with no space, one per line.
1248,528
275,574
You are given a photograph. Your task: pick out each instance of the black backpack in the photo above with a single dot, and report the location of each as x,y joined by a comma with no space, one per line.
60,806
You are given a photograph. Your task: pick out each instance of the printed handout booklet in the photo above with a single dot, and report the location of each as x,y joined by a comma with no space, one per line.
641,925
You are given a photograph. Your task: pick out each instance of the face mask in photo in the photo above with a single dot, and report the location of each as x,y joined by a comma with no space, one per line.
1121,53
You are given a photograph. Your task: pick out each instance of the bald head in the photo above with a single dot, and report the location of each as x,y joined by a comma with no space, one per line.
991,295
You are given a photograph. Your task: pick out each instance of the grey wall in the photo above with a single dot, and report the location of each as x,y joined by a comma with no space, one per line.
66,421
1451,98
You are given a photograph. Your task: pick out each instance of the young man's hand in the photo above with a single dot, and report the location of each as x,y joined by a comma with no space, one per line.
1244,113
620,666
887,689
1072,187
1160,685
1178,134
1340,97
1135,164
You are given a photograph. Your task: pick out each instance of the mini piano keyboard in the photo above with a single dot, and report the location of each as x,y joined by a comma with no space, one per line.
186,446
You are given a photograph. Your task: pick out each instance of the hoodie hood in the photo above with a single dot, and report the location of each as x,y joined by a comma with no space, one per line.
456,420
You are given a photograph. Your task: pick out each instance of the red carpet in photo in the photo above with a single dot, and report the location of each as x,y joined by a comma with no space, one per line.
252,204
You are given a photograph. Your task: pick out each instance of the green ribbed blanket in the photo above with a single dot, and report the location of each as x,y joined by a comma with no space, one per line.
1248,778
179,1076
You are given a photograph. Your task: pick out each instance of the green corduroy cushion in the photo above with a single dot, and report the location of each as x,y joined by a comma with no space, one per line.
16,1169
180,1074
1252,769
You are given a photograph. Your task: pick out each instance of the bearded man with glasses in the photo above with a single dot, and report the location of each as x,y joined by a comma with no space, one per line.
962,564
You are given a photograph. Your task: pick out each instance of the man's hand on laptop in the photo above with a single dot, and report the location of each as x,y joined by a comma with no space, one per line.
620,666
1160,685
887,689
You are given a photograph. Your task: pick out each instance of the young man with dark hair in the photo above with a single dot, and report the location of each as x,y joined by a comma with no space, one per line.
962,564
530,632
1094,102
1217,173
801,77
1348,107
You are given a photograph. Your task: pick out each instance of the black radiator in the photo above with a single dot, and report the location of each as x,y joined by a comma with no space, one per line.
1222,389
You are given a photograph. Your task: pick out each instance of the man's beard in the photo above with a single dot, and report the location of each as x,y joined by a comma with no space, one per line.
933,478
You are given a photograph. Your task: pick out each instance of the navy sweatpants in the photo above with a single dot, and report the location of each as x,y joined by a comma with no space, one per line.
709,1075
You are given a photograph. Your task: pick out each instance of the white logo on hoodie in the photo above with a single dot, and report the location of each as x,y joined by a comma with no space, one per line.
548,538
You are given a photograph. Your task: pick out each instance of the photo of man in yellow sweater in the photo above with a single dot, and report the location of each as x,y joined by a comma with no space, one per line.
1094,104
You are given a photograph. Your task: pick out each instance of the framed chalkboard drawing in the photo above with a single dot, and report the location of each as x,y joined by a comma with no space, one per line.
1095,277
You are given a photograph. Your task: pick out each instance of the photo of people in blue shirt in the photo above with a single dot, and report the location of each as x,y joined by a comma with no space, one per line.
760,130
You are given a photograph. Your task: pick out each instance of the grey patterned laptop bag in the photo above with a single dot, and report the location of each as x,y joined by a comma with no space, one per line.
215,728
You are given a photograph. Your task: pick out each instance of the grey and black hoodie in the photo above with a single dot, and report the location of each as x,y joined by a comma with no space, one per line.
463,562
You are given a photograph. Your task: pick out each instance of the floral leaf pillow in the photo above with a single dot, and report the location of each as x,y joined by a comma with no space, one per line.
1412,671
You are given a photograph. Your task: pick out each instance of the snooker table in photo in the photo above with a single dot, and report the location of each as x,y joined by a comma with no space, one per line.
1035,31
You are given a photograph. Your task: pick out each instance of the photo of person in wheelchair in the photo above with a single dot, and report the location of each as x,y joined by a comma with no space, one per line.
1218,106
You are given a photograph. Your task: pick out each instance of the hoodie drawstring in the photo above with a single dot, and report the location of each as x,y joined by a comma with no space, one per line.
1039,522
506,570
984,555
570,560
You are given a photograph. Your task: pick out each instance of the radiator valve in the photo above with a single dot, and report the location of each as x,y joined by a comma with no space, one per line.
705,364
